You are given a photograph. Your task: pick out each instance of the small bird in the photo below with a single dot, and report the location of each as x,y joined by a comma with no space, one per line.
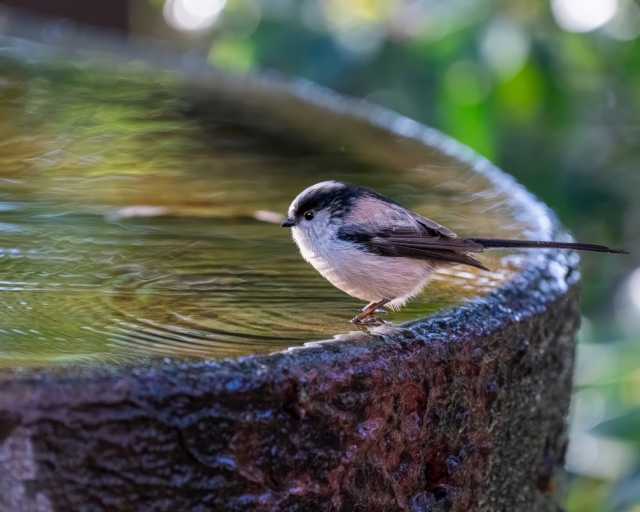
373,248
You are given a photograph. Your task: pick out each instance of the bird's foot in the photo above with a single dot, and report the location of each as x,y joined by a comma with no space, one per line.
370,309
374,321
368,321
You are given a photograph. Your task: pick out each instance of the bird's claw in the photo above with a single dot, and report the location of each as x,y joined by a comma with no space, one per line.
368,321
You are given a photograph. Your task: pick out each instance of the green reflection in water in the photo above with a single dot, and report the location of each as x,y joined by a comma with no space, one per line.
128,216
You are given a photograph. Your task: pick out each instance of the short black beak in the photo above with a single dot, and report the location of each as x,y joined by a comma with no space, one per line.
288,223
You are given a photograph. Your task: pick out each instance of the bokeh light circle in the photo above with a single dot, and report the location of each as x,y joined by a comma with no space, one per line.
583,15
191,15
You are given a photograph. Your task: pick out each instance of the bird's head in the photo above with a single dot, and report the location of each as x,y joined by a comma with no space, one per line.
319,210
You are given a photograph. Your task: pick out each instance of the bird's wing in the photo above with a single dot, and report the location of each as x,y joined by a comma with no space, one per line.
407,242
432,226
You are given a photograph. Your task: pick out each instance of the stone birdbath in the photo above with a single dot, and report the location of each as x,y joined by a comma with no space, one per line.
164,347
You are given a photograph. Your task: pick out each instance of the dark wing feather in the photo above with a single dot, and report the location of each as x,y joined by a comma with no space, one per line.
423,249
428,239
406,242
433,227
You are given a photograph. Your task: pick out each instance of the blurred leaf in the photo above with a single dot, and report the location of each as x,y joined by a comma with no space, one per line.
470,125
235,54
625,427
521,97
587,495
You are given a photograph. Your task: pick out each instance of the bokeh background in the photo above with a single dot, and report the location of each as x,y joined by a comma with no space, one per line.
548,90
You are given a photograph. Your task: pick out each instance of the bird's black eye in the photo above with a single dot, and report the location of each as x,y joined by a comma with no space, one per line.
308,215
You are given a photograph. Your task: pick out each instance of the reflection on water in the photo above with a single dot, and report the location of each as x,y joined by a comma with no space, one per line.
128,225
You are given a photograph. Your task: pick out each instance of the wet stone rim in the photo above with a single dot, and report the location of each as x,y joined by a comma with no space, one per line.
465,410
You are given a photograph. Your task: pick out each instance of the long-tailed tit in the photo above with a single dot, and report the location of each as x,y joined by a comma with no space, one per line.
373,248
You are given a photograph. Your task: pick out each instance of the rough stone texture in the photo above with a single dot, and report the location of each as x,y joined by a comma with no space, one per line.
461,412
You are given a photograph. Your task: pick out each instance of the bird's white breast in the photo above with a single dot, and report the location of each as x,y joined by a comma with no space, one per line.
362,274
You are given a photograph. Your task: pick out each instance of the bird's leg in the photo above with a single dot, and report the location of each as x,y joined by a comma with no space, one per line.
370,309
382,311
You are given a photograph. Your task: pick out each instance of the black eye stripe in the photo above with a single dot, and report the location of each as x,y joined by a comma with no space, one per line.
334,199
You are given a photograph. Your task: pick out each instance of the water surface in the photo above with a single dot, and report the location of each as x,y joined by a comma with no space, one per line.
129,226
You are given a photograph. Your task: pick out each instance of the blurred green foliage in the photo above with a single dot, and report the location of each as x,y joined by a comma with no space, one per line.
559,110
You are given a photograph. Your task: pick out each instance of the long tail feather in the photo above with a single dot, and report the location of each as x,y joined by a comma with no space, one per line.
492,243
